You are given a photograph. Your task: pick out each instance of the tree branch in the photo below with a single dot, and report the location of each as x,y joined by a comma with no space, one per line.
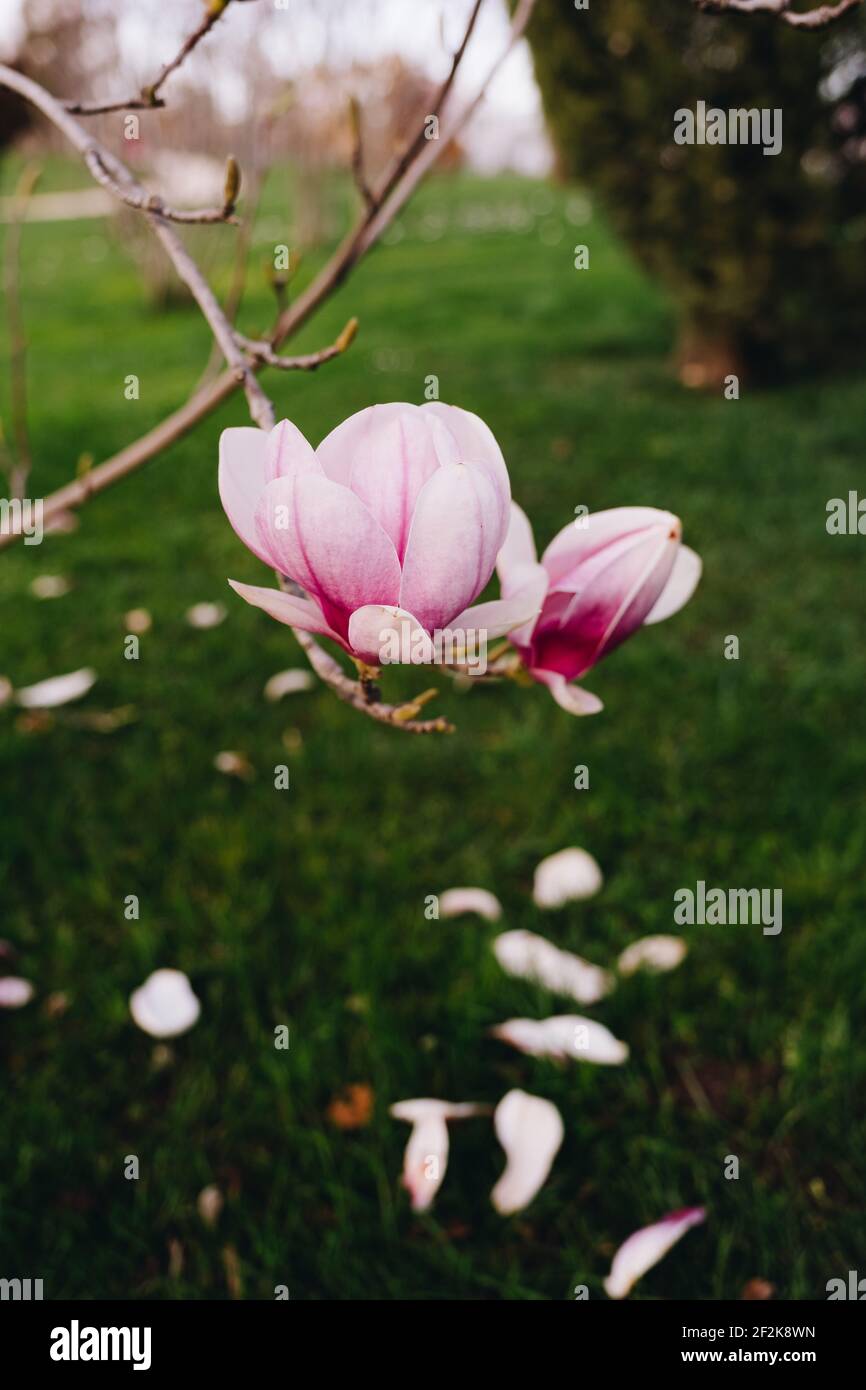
817,18
148,98
395,188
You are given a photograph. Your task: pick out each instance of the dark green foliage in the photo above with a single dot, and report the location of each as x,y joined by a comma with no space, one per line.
765,255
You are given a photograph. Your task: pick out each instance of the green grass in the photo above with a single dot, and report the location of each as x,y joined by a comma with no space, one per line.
306,907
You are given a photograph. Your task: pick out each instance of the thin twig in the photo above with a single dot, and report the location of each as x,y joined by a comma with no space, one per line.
148,98
19,471
308,362
817,18
357,160
134,196
351,249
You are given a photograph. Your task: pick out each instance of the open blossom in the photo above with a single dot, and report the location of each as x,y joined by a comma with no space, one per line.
598,581
392,525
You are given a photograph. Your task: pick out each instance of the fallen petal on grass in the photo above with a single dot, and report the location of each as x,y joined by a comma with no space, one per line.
205,615
455,901
531,957
530,1130
234,764
290,682
14,992
646,1247
209,1204
567,876
138,621
426,1156
57,690
165,1005
654,953
50,586
564,1037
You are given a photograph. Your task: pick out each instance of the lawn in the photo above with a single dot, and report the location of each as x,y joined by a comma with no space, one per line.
306,907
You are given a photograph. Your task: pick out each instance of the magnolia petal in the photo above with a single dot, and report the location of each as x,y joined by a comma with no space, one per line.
286,608
530,957
287,452
385,635
455,901
452,544
322,535
14,992
565,1037
289,682
518,548
356,440
426,1156
206,615
501,615
242,478
57,690
389,478
682,583
165,1004
415,1110
530,1131
646,1247
572,698
615,593
570,874
50,586
476,443
577,543
656,953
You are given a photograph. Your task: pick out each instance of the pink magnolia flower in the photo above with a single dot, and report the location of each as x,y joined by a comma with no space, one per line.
597,583
394,522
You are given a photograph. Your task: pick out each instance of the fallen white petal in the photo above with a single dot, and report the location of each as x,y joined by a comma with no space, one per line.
653,953
50,586
564,1036
165,1005
6,691
455,901
234,764
14,993
569,874
288,683
531,957
426,1156
530,1131
210,1204
204,615
646,1247
57,690
138,621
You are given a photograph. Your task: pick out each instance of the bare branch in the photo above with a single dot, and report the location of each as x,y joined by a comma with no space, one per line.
357,693
353,247
358,153
19,471
264,353
139,198
817,18
148,98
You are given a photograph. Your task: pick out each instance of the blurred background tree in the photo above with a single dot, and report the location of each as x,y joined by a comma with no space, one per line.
764,255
